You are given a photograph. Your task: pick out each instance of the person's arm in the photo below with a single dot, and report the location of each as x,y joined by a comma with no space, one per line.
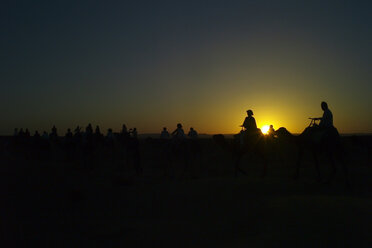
254,122
244,122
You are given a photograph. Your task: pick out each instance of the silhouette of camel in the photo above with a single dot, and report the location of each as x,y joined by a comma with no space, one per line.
177,155
256,146
132,150
311,139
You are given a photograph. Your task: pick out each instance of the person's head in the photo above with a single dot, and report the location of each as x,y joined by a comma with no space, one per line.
191,129
68,130
249,112
109,130
179,125
271,126
164,129
324,106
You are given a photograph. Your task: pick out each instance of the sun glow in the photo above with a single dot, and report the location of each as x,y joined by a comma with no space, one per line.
265,129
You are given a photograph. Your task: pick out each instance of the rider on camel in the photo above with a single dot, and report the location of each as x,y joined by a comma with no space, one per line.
327,120
178,134
249,128
325,129
249,123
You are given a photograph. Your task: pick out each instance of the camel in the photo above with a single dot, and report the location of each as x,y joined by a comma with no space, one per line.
177,155
131,147
241,145
316,140
311,139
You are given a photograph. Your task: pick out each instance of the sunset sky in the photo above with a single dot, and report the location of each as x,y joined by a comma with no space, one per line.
150,64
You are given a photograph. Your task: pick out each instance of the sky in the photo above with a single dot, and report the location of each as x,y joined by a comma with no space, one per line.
153,64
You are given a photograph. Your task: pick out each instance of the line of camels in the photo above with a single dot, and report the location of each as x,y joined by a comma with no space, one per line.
309,140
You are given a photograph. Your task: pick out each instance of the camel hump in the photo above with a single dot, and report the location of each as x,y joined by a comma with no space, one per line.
282,131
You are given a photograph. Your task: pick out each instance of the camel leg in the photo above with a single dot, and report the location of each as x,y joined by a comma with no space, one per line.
346,173
168,166
137,163
317,166
186,164
127,158
237,168
334,168
299,159
264,159
344,163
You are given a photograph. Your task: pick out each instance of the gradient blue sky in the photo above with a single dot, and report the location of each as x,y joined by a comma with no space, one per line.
150,64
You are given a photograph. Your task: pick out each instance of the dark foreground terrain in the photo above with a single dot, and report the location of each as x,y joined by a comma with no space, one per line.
54,203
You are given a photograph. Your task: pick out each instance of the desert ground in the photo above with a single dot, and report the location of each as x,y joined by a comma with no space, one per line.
57,203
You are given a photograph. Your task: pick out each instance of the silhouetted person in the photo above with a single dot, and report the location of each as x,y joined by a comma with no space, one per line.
88,146
124,134
134,133
271,131
54,131
53,135
45,145
21,133
77,130
77,135
124,129
69,145
36,134
89,129
45,136
98,131
69,139
15,132
36,139
110,135
192,133
69,134
27,133
164,134
88,135
36,145
98,136
327,120
178,133
250,131
249,123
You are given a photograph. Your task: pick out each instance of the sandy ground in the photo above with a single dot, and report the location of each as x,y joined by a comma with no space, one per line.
51,206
